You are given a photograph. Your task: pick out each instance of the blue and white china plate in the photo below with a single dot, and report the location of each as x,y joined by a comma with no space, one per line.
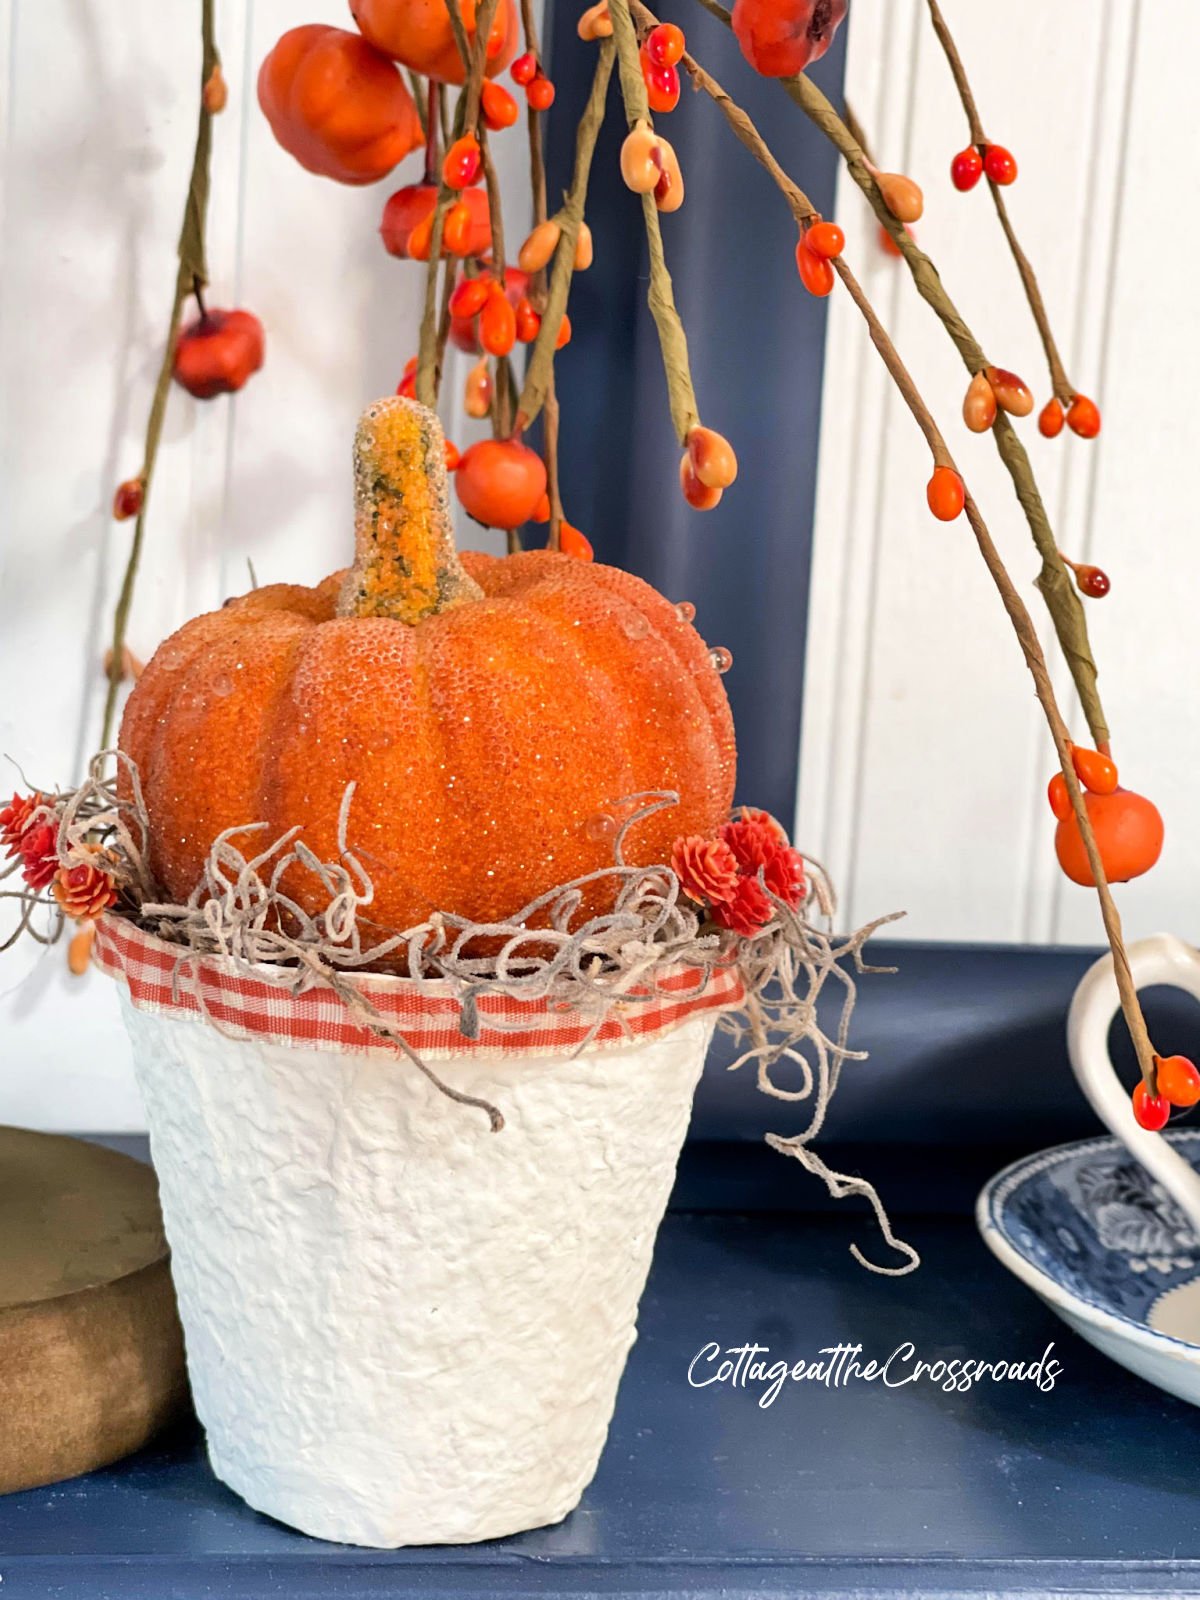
1106,1248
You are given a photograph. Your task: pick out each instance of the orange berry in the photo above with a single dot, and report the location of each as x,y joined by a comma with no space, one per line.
1059,796
540,93
1095,771
500,482
584,248
816,274
573,543
668,191
541,512
1092,581
640,169
452,456
528,321
595,23
541,244
129,498
564,332
712,457
665,44
1129,835
497,323
698,495
662,84
1083,417
461,163
825,239
1178,1080
497,105
901,196
888,245
477,391
469,297
1051,419
524,69
216,92
999,164
946,494
1150,1111
979,404
1012,393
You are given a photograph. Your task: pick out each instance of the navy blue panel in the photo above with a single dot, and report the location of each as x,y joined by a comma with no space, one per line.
757,341
1004,1490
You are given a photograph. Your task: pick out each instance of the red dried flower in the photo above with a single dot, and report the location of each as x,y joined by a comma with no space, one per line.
747,912
706,868
755,814
753,843
39,853
84,891
15,818
784,876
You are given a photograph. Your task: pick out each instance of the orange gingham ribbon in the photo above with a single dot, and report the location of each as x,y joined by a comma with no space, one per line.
427,1011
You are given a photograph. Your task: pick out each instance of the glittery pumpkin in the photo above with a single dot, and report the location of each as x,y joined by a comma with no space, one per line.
492,712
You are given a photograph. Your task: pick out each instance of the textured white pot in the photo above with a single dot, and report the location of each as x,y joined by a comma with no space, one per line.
402,1328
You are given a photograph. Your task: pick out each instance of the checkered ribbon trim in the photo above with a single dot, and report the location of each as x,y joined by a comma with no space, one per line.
426,1010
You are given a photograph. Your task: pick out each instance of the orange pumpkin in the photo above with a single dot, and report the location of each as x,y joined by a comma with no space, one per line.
337,105
1129,835
418,33
491,712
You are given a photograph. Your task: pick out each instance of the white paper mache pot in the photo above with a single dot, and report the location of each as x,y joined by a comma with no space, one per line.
401,1327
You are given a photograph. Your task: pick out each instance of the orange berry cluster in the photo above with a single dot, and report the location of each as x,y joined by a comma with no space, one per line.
1127,827
1082,416
539,91
661,50
820,243
971,164
994,388
1177,1083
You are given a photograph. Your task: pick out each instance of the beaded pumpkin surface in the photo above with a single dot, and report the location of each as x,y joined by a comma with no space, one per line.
492,713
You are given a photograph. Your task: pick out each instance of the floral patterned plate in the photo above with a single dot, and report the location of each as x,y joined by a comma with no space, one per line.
1106,1248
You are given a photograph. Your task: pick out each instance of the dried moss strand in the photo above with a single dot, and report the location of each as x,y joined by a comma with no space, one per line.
541,359
191,276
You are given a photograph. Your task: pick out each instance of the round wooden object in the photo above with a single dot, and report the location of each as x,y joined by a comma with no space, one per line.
91,1353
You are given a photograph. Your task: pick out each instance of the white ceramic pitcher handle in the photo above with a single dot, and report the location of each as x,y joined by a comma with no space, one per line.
1160,959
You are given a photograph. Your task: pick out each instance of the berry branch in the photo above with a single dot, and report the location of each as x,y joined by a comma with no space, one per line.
1018,613
190,278
1063,603
661,296
1064,393
537,288
539,372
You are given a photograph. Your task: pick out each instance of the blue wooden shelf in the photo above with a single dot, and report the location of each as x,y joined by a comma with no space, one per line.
1089,1489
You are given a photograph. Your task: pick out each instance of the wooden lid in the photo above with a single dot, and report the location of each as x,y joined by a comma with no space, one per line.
73,1216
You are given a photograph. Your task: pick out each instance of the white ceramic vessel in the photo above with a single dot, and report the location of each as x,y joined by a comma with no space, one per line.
401,1327
1108,1232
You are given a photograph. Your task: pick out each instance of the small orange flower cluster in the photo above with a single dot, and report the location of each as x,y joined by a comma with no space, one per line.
29,833
740,874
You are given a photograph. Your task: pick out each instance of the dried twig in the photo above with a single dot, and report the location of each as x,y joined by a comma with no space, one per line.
541,360
190,278
672,339
1062,601
1063,390
1018,613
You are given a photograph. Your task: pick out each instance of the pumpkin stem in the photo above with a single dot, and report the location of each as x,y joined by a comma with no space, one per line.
405,563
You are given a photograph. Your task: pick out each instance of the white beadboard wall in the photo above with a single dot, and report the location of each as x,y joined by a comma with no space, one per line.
924,757
97,121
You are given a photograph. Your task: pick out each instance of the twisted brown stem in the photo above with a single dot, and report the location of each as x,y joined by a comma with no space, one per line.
1059,381
1062,601
190,278
1018,613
